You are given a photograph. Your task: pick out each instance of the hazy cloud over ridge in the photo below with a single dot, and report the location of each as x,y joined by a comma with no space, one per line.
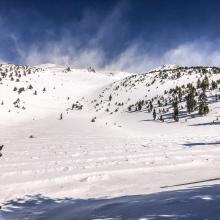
132,59
104,41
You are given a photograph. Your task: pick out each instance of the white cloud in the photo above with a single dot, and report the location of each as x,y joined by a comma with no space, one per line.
188,54
69,50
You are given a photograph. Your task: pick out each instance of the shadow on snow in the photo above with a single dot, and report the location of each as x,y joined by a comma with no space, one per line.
207,123
201,144
193,203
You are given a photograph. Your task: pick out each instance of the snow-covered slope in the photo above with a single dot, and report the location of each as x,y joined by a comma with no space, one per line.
34,92
30,93
107,143
141,93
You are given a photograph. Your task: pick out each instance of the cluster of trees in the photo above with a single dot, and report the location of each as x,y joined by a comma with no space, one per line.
77,106
90,69
14,72
202,105
192,97
195,98
142,104
192,103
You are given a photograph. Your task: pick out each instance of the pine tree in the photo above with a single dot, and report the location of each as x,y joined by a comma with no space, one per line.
214,85
68,69
150,106
198,84
154,114
175,111
159,103
139,106
190,100
61,116
203,104
205,83
161,118
180,94
1,147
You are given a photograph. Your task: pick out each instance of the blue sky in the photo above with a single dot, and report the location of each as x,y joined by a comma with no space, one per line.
132,35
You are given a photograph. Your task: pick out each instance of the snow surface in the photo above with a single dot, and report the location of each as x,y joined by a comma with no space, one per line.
120,154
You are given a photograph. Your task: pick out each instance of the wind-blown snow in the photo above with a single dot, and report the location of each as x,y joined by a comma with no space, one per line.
165,67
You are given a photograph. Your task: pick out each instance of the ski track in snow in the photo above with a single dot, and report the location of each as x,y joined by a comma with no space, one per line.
90,166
